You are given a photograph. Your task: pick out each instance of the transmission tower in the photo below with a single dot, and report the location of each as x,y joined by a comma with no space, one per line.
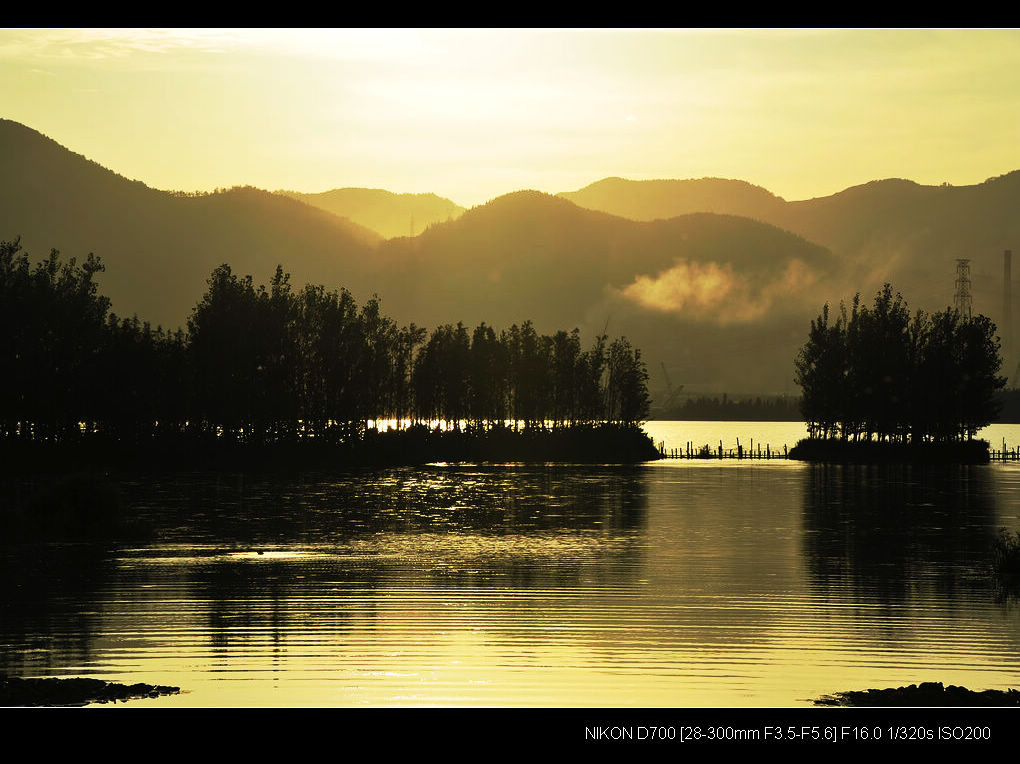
962,299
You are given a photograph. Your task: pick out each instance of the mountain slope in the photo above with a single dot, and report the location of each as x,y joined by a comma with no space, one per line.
388,214
159,247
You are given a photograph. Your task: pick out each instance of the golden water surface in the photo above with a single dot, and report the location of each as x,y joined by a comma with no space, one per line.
676,583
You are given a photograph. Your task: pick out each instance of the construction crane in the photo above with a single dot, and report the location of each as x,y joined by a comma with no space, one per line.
671,393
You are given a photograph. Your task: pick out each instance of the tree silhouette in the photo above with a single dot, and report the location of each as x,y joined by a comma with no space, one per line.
262,365
877,374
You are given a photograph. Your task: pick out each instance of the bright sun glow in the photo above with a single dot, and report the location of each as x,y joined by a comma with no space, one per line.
472,114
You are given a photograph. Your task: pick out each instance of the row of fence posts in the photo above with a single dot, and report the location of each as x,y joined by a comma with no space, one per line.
705,452
1006,454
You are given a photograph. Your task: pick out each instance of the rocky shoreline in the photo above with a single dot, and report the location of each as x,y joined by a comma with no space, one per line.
79,691
929,694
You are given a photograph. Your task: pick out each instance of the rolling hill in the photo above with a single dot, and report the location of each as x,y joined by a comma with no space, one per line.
389,215
663,199
528,255
531,255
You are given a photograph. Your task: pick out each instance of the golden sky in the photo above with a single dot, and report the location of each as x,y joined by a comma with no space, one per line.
471,114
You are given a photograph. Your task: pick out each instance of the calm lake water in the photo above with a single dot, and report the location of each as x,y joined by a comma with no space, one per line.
674,583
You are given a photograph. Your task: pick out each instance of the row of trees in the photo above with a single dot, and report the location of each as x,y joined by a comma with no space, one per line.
270,363
757,409
881,374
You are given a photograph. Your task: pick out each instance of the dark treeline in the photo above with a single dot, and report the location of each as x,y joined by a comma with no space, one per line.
878,374
726,409
271,364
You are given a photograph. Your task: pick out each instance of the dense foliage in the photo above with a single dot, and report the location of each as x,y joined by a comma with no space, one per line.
879,374
273,364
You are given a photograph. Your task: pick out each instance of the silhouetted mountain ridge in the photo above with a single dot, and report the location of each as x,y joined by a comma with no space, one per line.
717,278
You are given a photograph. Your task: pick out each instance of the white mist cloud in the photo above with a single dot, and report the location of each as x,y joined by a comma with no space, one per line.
714,292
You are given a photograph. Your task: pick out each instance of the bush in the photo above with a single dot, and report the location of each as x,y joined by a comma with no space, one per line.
1006,559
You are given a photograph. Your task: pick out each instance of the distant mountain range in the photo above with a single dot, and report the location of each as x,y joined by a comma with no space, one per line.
717,280
388,214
